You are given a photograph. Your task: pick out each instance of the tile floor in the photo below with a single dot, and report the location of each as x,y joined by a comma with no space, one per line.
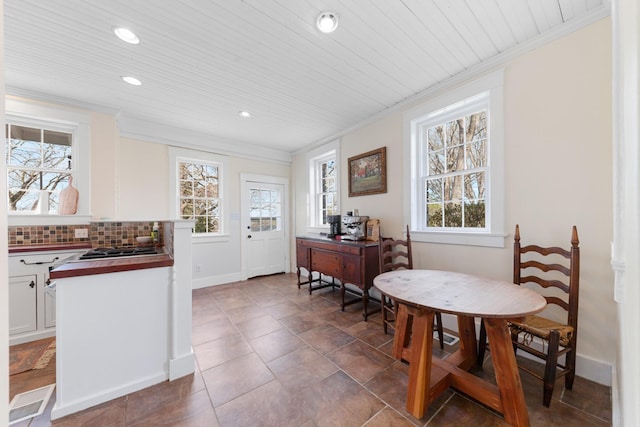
269,354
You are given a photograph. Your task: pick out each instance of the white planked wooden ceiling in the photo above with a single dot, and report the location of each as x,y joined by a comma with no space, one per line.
202,61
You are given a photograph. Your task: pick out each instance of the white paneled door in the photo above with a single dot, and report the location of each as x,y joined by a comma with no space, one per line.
263,226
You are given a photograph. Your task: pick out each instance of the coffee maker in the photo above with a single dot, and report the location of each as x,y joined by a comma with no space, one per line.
356,227
334,225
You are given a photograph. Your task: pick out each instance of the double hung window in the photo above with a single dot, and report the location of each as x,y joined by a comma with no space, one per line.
38,167
455,151
324,183
455,169
199,194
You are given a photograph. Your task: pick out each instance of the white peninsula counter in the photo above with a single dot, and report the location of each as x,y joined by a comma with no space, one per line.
123,325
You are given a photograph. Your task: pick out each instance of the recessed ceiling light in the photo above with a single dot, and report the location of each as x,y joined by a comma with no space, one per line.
126,35
327,22
244,114
132,80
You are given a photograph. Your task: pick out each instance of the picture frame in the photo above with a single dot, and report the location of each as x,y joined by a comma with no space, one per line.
368,173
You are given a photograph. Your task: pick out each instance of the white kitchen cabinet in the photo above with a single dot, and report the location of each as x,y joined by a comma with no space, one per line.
22,294
32,309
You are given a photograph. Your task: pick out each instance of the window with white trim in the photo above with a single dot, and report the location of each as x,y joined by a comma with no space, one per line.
455,155
324,183
38,166
454,169
199,194
44,147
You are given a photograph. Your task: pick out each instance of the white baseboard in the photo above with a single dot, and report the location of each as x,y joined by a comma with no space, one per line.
586,367
32,336
68,408
205,282
182,366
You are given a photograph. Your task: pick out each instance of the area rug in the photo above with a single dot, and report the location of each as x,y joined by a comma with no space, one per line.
31,355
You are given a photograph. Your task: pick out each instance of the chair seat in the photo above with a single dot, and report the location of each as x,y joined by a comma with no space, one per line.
542,327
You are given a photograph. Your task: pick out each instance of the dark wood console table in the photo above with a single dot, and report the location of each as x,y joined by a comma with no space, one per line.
353,262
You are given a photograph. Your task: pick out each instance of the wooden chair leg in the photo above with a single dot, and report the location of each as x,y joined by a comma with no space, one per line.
514,340
570,362
482,343
385,313
438,327
550,368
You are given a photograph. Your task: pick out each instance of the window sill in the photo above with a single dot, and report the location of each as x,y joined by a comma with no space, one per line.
35,219
317,230
493,240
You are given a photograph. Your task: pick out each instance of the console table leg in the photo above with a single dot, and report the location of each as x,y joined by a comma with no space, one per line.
365,303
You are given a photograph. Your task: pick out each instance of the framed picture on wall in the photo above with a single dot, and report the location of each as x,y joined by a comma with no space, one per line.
368,173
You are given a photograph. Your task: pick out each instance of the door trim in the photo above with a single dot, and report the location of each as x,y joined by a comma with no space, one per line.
244,207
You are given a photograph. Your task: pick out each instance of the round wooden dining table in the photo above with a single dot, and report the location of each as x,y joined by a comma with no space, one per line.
418,295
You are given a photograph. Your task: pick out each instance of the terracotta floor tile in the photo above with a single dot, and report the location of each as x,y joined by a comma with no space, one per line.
326,338
276,344
192,410
144,402
259,326
369,332
342,319
301,368
111,413
209,331
207,314
360,360
221,350
282,310
460,411
389,418
302,322
248,312
340,401
235,378
588,396
267,405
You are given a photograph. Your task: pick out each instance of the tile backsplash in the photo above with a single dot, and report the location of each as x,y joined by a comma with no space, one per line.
101,234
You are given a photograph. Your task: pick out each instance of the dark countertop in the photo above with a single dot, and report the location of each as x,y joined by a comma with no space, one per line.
46,248
324,238
110,265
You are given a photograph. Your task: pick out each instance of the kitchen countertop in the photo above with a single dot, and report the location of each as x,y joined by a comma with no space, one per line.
110,265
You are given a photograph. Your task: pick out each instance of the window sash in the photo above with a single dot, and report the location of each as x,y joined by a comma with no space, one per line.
324,183
453,190
199,195
38,159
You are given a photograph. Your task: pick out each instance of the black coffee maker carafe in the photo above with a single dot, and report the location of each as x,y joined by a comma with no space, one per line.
334,225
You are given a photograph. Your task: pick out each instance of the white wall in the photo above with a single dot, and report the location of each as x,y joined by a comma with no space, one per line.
104,137
142,174
143,193
626,248
557,174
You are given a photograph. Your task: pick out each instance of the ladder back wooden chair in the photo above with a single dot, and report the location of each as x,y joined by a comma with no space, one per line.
395,255
550,269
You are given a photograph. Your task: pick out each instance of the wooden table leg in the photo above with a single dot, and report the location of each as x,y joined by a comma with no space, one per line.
420,363
514,407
